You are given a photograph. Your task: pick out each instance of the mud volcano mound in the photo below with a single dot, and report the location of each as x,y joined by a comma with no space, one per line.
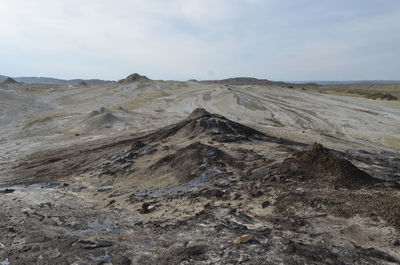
320,164
103,119
9,80
201,122
134,78
106,119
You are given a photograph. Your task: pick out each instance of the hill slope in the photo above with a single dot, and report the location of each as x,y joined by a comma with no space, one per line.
49,80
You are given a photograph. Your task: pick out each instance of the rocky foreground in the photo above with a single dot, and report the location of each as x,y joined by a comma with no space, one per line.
204,190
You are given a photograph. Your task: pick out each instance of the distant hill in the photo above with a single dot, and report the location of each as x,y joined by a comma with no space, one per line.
9,80
3,78
49,80
134,78
351,82
243,81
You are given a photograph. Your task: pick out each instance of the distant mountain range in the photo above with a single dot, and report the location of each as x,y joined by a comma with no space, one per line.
244,81
352,82
49,80
229,81
255,81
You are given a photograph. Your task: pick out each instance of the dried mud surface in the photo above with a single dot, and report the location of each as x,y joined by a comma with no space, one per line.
182,192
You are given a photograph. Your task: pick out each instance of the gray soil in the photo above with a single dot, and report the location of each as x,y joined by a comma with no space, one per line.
154,172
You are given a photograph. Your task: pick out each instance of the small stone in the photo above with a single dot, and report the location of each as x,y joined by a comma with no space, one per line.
104,259
10,229
105,188
147,208
244,258
25,248
137,145
395,242
8,190
53,253
1,246
265,204
151,208
243,239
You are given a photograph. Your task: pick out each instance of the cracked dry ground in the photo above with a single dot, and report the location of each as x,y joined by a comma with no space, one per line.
184,193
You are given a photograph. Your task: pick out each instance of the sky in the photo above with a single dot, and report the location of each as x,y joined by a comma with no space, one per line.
201,39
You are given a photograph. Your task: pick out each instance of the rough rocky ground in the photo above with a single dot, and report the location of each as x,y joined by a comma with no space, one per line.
136,173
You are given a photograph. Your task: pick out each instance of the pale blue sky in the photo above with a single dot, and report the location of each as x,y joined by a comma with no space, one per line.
202,39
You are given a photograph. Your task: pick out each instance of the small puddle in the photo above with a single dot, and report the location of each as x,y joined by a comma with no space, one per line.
203,178
38,186
95,226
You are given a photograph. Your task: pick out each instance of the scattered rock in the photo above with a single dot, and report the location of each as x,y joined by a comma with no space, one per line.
243,239
265,204
101,259
137,145
244,257
53,253
1,246
395,242
90,244
147,208
7,190
151,208
105,188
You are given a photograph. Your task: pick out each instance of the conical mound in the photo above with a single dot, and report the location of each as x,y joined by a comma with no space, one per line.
201,122
320,164
134,78
9,80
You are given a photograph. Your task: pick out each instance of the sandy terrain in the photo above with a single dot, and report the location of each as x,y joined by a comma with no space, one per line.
127,173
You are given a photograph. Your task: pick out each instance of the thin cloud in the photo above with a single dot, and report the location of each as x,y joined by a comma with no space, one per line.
178,39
